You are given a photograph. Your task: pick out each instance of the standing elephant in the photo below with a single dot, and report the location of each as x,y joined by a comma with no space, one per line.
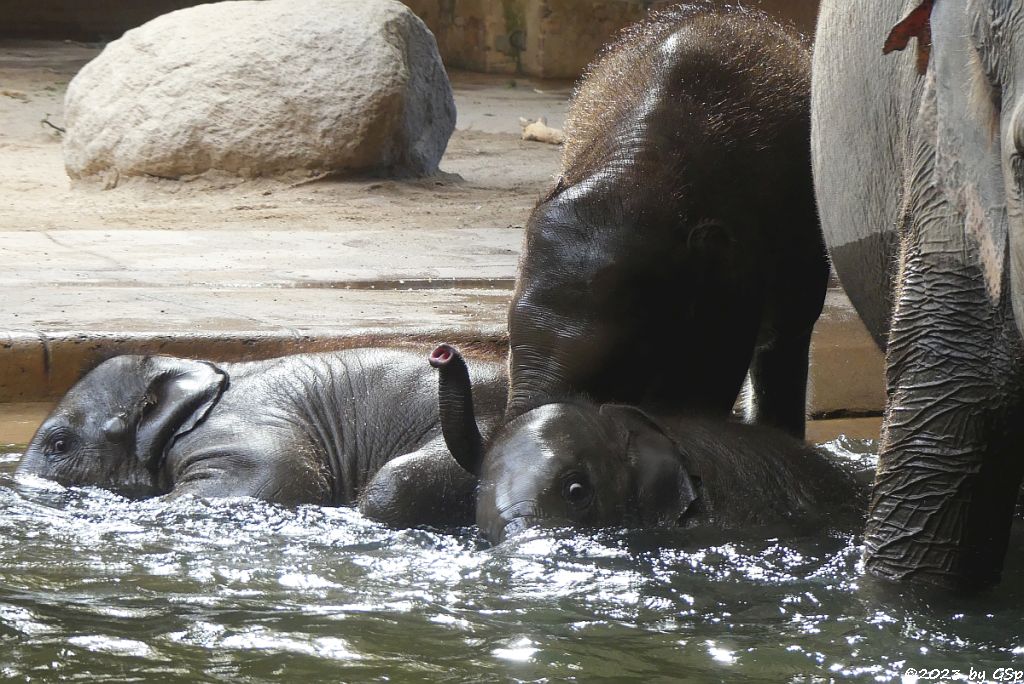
680,249
919,181
579,464
359,425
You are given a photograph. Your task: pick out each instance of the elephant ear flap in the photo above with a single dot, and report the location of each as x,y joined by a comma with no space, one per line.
664,490
180,394
917,24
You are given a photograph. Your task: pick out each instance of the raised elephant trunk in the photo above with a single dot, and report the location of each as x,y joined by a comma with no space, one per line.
455,405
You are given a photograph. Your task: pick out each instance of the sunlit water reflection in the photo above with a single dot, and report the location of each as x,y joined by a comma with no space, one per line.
95,587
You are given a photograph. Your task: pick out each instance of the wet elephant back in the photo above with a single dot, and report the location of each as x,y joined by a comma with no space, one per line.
686,72
682,231
355,409
753,476
359,408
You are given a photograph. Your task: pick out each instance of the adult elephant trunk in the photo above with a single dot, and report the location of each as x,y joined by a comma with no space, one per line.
937,163
948,470
455,405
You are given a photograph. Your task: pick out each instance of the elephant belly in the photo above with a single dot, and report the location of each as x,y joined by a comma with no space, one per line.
858,147
866,269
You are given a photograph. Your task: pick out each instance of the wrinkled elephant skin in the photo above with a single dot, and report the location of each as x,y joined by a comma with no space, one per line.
355,426
918,180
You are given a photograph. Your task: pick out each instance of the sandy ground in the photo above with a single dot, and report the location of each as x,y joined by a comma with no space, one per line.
490,177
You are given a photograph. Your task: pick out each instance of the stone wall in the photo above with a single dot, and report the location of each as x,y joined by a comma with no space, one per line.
544,38
550,38
85,20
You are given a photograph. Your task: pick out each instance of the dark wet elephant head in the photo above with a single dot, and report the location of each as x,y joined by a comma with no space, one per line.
571,463
114,427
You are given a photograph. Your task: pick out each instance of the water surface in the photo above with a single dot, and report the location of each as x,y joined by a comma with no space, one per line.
94,587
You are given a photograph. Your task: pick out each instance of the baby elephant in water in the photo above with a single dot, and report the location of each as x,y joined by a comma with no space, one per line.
579,464
309,428
364,426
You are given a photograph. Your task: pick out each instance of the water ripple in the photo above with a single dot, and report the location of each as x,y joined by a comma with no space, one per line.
93,586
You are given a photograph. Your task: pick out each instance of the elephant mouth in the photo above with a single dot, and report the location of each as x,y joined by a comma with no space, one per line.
515,519
517,526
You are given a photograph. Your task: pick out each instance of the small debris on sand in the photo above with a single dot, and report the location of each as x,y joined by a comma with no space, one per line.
540,131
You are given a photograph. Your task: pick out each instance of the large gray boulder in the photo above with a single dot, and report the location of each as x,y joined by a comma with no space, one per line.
263,88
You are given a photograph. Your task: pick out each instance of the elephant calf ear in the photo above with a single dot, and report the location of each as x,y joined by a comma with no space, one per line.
665,491
180,394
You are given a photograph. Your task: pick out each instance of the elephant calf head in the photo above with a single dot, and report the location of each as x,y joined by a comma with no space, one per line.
574,463
114,427
565,464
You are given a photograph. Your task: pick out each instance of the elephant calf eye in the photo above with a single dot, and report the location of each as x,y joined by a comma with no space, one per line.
576,490
58,445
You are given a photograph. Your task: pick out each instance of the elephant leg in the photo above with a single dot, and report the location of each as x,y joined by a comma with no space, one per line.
778,385
425,487
950,464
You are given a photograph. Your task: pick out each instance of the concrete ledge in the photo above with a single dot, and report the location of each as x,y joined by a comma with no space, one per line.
826,430
18,422
847,369
36,368
41,368
845,375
